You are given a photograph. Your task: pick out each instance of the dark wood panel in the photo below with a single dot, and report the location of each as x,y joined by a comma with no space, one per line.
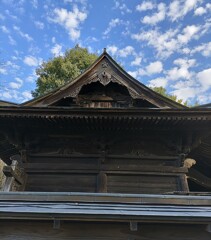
42,230
114,182
142,184
62,182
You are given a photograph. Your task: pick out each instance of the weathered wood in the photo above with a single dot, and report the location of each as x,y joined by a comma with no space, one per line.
208,228
15,177
102,182
42,230
133,226
56,224
178,198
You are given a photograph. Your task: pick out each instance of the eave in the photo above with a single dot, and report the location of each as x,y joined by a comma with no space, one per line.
71,111
132,84
106,207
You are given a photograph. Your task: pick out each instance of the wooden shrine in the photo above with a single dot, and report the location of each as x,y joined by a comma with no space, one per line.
105,157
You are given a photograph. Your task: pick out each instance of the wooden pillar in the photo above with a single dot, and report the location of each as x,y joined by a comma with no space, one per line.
102,182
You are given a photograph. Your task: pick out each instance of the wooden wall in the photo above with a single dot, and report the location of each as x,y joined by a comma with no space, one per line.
40,230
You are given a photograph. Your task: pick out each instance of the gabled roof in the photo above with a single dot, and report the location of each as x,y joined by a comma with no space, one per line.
208,105
104,70
6,103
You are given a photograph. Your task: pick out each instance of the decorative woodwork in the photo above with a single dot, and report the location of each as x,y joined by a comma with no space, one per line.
105,157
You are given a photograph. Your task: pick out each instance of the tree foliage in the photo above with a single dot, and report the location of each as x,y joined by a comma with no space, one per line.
57,71
162,91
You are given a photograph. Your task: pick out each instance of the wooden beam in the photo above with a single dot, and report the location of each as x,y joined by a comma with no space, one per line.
15,177
187,199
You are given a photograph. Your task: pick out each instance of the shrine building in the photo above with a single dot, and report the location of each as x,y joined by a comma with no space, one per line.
105,157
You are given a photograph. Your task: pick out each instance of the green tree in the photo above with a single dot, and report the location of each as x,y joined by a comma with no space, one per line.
57,71
162,91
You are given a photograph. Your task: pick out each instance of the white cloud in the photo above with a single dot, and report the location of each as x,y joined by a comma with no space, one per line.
16,85
156,17
70,20
4,29
56,50
32,77
136,61
53,39
3,70
112,49
179,8
27,95
31,61
185,93
112,24
122,7
150,69
164,43
34,3
11,40
158,82
186,50
39,24
182,71
154,67
172,40
146,5
7,67
12,65
178,72
133,73
204,77
188,33
11,15
208,6
7,95
124,52
2,17
204,49
22,34
185,62
200,11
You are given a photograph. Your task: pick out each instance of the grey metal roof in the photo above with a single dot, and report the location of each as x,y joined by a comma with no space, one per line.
102,211
106,207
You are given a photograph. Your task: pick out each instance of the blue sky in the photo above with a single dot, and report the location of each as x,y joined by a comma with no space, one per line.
160,43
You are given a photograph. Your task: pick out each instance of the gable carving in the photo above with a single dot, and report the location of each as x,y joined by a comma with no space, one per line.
104,76
105,71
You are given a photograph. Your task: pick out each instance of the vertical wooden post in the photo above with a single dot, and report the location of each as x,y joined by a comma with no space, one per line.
133,226
102,182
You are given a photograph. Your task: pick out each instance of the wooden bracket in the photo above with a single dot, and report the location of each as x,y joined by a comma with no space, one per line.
56,224
208,228
133,226
15,177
